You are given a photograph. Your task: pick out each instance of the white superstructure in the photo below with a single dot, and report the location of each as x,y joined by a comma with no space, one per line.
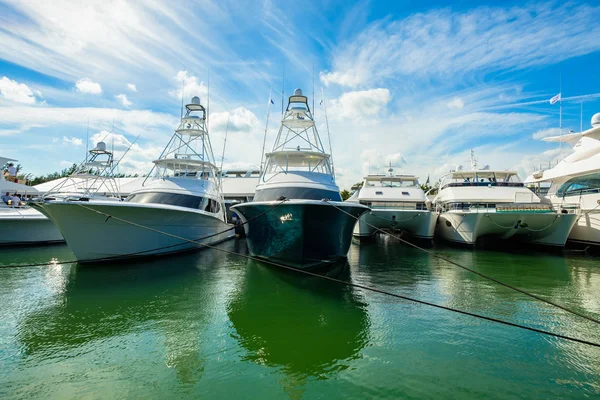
181,201
492,203
397,202
575,182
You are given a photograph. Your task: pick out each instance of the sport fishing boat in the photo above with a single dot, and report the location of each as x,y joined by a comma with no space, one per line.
297,216
397,203
182,202
495,204
574,183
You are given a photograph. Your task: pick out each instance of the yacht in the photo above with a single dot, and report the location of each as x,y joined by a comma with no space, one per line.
20,224
496,204
297,216
181,202
574,183
397,203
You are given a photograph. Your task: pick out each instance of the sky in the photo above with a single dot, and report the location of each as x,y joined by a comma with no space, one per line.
414,85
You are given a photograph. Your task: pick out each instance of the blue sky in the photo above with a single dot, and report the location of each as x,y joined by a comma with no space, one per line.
415,85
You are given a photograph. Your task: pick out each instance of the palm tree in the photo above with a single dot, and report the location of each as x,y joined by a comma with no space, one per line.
345,194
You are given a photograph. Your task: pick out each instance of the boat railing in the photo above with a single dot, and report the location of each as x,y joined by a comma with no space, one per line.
544,167
495,207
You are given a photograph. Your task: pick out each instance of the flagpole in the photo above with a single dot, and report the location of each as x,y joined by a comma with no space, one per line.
266,126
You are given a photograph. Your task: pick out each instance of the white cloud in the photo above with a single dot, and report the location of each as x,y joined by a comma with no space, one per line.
360,104
456,103
16,92
546,132
191,87
132,87
239,119
86,85
72,140
124,100
442,43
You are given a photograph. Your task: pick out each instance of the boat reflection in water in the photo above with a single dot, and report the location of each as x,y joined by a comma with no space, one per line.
307,326
161,310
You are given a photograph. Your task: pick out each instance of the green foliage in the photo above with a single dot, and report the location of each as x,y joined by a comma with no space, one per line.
357,186
49,177
345,194
426,187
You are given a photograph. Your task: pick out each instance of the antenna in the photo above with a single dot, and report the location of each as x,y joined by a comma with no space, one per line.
313,87
87,140
328,134
262,154
208,101
224,143
112,134
282,86
182,90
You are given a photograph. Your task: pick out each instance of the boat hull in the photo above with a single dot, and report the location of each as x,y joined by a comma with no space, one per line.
417,223
549,229
299,233
95,237
26,226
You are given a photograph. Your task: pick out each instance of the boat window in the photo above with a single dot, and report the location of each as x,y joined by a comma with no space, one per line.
580,185
286,162
175,199
296,193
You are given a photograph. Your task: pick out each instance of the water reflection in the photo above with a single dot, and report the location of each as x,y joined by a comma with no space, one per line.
304,325
167,302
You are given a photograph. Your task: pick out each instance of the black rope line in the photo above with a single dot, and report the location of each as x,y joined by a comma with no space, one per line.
472,270
369,288
128,255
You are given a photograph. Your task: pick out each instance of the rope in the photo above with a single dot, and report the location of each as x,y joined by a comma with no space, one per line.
369,288
473,271
54,262
529,229
357,285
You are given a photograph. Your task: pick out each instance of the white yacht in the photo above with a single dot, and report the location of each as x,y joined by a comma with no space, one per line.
182,199
20,224
313,226
574,183
490,203
397,202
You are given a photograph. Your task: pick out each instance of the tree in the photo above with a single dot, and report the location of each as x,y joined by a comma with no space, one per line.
426,187
345,194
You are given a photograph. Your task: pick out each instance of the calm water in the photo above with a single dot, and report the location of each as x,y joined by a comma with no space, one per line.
216,325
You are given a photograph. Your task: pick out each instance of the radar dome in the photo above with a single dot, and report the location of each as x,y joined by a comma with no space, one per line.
196,100
101,146
298,92
596,120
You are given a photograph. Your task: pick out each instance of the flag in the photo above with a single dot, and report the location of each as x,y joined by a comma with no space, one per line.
555,99
271,100
321,102
427,183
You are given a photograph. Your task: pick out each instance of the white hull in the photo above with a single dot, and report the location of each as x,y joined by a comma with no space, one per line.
93,236
417,223
550,229
587,228
25,226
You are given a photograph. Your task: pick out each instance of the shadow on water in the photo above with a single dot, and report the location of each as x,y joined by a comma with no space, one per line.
169,297
304,325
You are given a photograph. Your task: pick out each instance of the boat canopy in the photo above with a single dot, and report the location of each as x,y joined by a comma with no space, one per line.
299,160
186,167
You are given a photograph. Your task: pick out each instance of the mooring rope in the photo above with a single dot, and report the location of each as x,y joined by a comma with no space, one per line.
472,270
365,287
104,259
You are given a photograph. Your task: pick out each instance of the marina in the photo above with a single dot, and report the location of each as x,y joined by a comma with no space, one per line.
211,322
325,200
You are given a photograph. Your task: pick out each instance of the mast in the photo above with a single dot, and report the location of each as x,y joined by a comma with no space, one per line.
262,154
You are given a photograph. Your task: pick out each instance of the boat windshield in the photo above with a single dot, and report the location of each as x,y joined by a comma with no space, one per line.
392,182
584,184
176,199
481,178
298,161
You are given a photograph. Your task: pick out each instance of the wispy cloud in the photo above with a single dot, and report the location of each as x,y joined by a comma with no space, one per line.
442,43
132,87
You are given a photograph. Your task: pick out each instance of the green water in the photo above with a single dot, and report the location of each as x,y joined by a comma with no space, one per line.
213,325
